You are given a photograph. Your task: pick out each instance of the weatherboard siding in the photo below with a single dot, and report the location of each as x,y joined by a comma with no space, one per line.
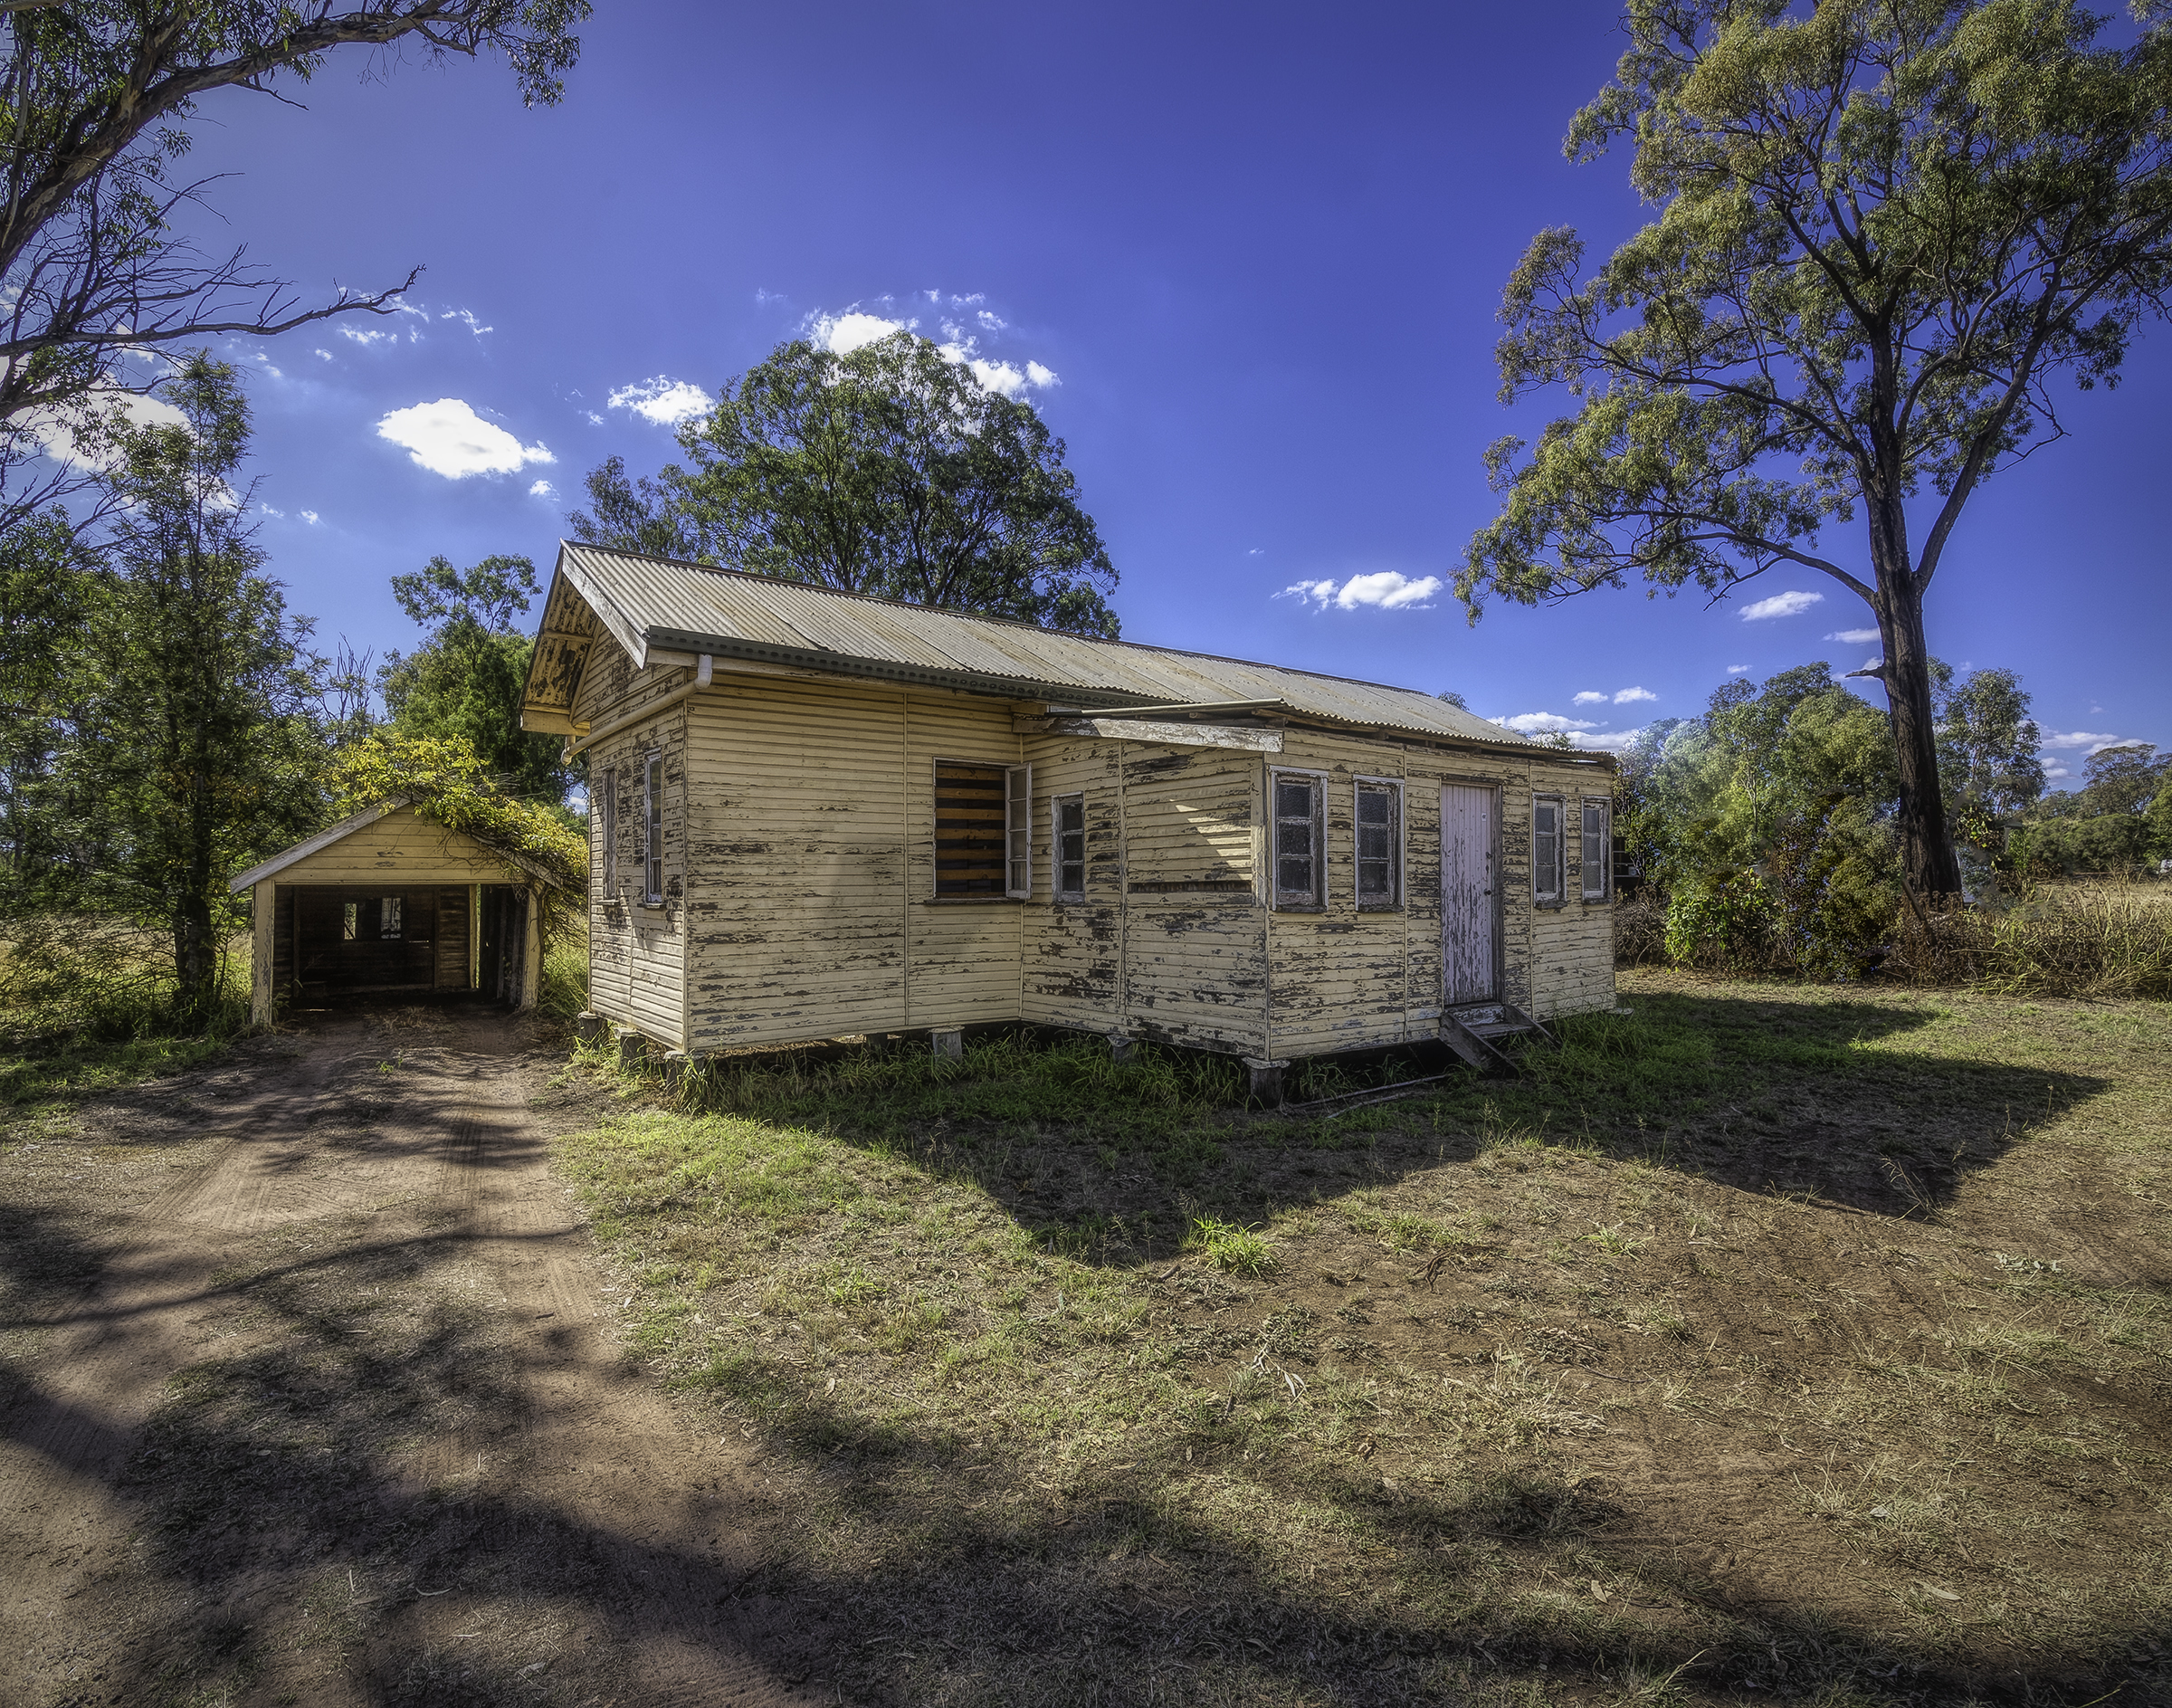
799,862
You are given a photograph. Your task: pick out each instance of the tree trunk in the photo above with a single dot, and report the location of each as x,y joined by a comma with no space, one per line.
1927,856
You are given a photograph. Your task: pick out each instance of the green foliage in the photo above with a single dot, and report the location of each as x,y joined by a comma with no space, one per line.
46,590
444,781
1724,917
1240,1251
1886,230
464,682
1988,744
2120,818
889,470
193,748
1767,824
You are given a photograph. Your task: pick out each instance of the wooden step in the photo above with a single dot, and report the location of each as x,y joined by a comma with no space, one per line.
1470,1032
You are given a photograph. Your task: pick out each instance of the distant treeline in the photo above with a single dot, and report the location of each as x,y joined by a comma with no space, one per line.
1761,834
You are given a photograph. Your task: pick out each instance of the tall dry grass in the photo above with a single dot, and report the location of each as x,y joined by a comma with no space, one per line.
2106,937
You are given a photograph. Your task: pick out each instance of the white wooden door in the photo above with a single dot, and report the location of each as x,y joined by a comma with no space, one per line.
1467,909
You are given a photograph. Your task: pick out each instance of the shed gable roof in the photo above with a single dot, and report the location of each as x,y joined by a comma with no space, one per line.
648,604
363,820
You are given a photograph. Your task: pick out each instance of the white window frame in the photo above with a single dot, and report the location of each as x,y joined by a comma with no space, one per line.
1056,863
652,828
1556,868
1291,901
1392,787
1018,831
1596,847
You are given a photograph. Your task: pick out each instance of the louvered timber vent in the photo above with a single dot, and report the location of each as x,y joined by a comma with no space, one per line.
968,829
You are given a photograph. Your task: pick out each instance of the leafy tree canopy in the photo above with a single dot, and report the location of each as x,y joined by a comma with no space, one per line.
447,781
191,745
1889,229
889,470
464,682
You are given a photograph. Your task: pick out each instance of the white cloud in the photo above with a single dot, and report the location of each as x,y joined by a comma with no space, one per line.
2084,741
472,325
268,510
1385,589
1738,670
1542,724
310,517
2053,773
51,427
842,334
1000,378
1607,740
1629,696
326,354
1039,375
449,438
1321,590
990,322
662,400
1590,698
542,488
595,420
1853,637
1781,604
368,337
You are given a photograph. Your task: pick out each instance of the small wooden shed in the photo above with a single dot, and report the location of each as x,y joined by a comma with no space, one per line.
815,813
389,904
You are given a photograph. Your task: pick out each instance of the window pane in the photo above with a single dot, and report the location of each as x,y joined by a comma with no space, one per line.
1293,800
1071,846
388,916
1293,875
1373,806
350,926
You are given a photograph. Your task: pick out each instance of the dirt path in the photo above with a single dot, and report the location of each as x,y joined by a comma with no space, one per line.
321,1406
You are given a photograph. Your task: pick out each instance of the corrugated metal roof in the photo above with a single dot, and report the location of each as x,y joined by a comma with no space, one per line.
685,607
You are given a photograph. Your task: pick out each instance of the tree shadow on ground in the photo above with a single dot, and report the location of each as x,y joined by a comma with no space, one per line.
1127,1586
1795,1100
285,1508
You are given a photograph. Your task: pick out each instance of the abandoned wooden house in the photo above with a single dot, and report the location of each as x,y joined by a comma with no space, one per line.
386,903
817,814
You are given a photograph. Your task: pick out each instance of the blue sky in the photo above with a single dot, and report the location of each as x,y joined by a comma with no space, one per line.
1253,254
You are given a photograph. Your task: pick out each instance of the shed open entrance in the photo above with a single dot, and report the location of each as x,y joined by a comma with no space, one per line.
332,941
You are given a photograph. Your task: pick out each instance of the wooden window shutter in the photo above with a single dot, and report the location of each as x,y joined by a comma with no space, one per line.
1545,848
653,831
972,808
610,811
1018,831
1597,853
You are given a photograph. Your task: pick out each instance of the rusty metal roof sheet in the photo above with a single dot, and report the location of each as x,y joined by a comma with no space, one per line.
662,604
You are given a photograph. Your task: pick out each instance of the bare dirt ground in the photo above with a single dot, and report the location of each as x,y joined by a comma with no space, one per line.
308,1394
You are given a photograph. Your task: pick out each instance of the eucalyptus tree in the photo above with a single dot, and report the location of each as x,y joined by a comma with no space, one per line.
194,746
465,679
94,120
1891,233
889,470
